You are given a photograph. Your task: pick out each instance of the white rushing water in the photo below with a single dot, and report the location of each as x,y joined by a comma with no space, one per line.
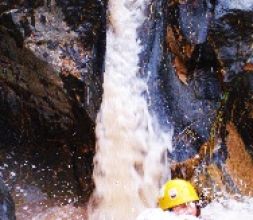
229,209
158,214
130,145
225,5
238,4
222,209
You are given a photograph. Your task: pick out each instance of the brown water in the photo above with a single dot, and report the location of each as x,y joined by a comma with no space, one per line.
130,144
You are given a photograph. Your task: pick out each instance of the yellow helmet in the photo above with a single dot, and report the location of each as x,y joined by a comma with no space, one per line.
176,192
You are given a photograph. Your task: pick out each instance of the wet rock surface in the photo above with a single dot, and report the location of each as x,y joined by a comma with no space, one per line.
31,87
235,53
7,206
206,84
197,58
51,62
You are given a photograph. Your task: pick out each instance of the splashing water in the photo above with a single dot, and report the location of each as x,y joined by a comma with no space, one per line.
130,145
61,213
222,209
225,5
238,4
229,209
151,214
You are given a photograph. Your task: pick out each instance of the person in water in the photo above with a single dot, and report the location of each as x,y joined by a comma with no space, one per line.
180,197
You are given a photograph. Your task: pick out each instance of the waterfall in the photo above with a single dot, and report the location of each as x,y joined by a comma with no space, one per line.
128,164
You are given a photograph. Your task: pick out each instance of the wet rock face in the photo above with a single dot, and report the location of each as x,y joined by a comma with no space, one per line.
51,64
208,84
70,35
88,21
231,34
241,115
37,123
191,82
193,111
7,207
209,43
37,94
194,19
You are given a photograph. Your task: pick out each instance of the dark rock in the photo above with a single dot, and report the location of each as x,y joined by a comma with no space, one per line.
45,124
205,85
11,21
43,19
86,26
29,93
25,24
215,38
189,106
216,88
7,206
241,103
187,144
83,166
193,107
194,19
50,93
231,34
88,19
52,44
